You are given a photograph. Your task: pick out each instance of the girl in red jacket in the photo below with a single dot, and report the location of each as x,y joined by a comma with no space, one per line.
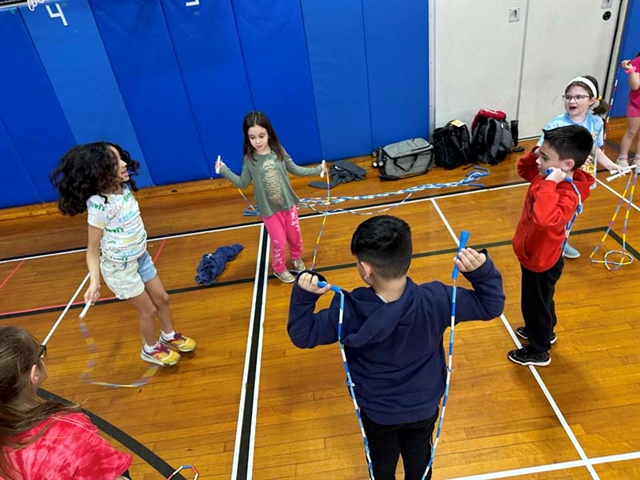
41,439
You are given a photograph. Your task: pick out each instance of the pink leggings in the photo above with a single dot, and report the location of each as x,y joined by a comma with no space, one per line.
283,229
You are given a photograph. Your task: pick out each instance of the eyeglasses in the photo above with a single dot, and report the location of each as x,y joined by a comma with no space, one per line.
577,98
43,352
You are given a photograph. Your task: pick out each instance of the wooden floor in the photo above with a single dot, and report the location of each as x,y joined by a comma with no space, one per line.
578,418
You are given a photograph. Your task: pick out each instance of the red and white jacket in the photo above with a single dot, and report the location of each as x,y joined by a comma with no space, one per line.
548,207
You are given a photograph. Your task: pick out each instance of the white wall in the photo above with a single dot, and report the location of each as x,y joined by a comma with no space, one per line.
482,60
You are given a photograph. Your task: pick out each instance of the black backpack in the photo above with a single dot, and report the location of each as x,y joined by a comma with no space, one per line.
452,145
491,137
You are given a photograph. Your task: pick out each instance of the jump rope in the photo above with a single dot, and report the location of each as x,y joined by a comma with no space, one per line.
462,243
471,179
624,257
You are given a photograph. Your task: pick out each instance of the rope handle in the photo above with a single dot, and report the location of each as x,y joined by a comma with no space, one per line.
464,238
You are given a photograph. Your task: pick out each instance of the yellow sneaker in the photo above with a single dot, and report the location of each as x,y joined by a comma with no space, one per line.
161,355
179,342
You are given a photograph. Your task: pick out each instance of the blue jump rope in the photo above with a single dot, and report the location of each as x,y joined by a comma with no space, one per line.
464,237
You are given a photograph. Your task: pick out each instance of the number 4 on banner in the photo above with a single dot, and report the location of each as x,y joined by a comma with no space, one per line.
59,15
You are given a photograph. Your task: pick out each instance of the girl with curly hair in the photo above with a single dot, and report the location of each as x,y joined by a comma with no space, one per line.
96,178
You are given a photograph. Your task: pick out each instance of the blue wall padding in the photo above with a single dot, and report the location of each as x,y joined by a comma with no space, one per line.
35,124
207,49
82,77
629,48
397,48
335,42
137,42
277,64
16,186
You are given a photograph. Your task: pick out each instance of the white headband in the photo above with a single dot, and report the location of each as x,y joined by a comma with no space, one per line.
588,83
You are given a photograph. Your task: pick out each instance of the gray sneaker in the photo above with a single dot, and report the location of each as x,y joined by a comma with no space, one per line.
298,265
622,161
569,252
285,276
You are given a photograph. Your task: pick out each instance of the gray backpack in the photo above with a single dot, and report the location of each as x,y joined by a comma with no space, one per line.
404,159
491,139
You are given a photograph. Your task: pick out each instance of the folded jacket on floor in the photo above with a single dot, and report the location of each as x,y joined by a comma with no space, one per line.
213,264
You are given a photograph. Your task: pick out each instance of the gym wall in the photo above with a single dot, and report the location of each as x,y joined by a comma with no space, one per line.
171,80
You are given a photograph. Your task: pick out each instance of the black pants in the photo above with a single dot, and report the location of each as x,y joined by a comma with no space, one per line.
538,307
388,442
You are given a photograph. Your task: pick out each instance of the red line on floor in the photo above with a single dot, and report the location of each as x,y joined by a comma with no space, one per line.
48,307
155,257
11,274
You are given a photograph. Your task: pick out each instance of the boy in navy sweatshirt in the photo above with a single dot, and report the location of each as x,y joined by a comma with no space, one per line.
392,333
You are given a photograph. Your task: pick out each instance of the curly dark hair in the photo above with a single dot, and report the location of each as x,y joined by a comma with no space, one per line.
86,170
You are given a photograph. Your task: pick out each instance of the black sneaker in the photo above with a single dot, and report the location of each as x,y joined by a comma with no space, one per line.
522,333
524,356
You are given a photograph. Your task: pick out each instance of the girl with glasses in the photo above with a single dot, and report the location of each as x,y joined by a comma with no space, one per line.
584,106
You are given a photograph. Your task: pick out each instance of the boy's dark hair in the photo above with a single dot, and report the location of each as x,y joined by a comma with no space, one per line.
384,242
570,142
86,170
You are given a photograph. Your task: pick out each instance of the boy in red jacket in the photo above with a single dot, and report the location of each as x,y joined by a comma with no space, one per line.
550,204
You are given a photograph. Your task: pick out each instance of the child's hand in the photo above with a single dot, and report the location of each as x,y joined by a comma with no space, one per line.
92,294
626,64
309,282
614,167
219,164
469,260
556,175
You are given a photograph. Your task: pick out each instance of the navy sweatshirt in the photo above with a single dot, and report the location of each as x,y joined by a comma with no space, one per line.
395,350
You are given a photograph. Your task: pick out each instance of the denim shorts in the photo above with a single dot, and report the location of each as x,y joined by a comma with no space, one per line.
127,279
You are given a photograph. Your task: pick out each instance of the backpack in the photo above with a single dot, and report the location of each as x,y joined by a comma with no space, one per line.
404,159
491,137
452,145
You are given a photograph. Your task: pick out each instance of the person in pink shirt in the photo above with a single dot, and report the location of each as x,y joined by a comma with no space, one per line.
42,439
632,68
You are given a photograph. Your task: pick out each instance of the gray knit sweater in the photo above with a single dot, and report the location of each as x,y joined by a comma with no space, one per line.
272,190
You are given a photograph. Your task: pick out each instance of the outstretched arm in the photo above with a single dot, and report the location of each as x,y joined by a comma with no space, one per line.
306,328
606,162
301,171
241,181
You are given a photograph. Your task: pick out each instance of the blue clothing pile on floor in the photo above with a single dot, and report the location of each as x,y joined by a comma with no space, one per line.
213,264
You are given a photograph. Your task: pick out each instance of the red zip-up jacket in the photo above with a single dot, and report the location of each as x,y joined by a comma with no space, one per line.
548,207
70,449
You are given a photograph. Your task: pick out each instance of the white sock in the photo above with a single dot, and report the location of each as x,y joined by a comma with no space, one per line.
168,336
148,349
